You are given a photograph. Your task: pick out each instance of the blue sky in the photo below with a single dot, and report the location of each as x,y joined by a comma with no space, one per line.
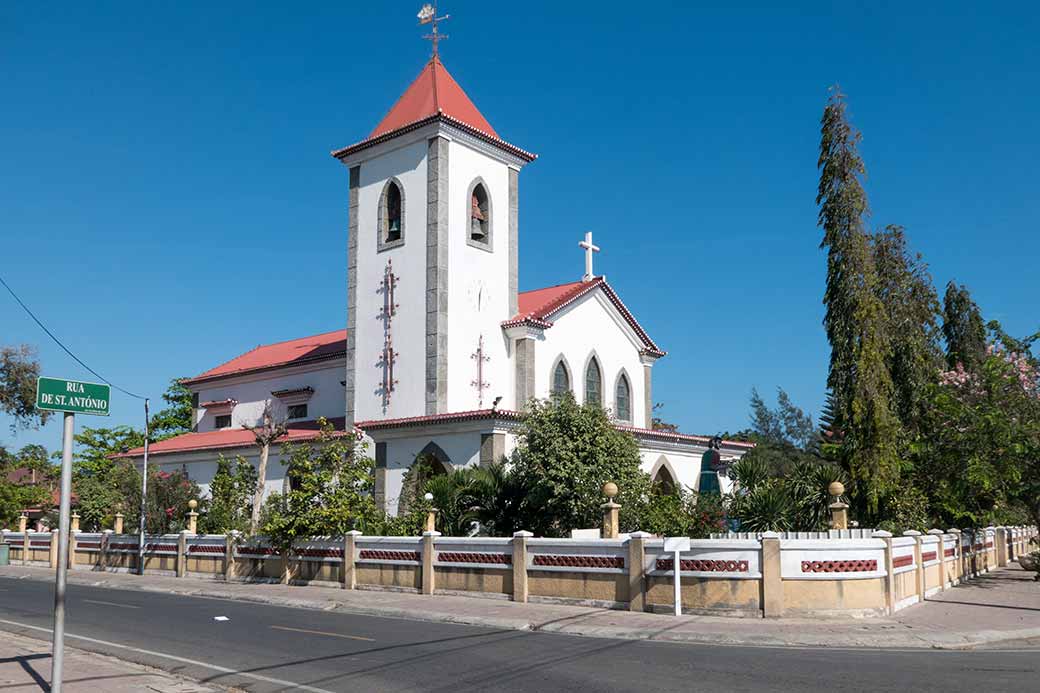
167,199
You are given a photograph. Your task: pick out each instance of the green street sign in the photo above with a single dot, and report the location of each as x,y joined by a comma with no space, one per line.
58,394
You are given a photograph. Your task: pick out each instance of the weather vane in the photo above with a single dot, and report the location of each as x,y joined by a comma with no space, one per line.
428,15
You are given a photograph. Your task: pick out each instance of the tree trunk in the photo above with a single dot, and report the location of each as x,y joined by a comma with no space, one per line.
261,481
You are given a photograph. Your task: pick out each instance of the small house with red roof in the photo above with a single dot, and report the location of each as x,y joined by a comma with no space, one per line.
441,349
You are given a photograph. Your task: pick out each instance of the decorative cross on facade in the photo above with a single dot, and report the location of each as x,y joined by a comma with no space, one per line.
479,383
589,250
389,291
387,362
428,15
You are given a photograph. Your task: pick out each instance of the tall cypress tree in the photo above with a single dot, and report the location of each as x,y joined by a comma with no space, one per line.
915,358
855,318
963,328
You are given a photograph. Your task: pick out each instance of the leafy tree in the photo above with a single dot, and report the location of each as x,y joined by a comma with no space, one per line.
331,491
683,513
266,432
17,497
231,497
19,370
984,439
963,328
176,418
855,319
565,453
787,425
905,289
102,482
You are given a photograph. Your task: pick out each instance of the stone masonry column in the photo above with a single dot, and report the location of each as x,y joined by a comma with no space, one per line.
772,584
610,511
1002,546
941,555
429,583
520,589
637,571
25,546
350,559
890,578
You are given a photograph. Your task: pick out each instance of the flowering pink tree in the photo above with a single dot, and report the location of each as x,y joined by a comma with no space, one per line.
982,452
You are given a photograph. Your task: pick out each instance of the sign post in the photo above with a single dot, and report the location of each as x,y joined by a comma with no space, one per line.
70,397
677,545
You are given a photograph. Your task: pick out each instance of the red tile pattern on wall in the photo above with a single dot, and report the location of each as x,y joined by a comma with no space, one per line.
473,557
257,551
577,561
950,552
379,555
929,556
901,561
861,566
320,553
87,545
148,548
205,548
704,565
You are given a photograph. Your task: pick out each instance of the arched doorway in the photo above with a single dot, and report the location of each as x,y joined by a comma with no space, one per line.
430,462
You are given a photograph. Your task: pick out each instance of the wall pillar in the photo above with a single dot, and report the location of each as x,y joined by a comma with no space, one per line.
772,584
890,578
957,551
182,553
71,563
637,571
941,555
429,583
918,567
350,559
1001,541
74,522
106,539
525,370
25,548
119,523
23,523
520,590
54,548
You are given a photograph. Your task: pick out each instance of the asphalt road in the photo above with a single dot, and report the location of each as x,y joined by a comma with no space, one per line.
269,648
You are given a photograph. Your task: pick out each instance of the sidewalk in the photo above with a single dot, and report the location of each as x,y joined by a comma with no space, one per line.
1000,607
25,665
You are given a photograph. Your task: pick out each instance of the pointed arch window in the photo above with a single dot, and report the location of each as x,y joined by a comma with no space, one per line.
623,399
478,204
391,215
561,382
593,383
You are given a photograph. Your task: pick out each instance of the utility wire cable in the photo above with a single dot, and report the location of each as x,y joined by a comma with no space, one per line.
65,348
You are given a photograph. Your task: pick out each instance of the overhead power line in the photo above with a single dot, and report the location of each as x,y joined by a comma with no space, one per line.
65,348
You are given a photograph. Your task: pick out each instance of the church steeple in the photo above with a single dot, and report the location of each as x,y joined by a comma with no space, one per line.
433,91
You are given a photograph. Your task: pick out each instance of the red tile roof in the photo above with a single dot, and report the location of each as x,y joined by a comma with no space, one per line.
434,96
537,307
452,417
228,438
433,91
319,347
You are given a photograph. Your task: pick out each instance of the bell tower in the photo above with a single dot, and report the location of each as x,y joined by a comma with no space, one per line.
432,256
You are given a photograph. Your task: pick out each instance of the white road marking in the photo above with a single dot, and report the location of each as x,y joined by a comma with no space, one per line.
224,670
221,618
122,606
321,632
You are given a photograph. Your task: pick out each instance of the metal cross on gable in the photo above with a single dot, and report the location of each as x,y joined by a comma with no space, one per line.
390,304
480,383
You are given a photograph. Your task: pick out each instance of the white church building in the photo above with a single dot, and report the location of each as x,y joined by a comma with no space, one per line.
441,349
